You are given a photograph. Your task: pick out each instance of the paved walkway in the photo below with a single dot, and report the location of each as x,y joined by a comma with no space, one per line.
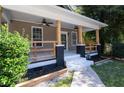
86,78
84,75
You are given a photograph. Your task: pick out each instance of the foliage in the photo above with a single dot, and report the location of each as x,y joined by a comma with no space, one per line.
111,15
65,82
118,50
111,73
89,38
108,49
14,51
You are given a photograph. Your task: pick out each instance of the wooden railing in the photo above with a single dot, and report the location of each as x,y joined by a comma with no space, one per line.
91,47
36,49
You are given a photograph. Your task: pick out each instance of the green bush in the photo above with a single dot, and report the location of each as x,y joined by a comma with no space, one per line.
14,51
118,50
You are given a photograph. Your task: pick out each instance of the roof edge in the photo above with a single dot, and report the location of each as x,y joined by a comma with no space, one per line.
85,17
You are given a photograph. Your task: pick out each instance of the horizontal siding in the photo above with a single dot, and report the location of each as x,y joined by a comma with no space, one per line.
49,32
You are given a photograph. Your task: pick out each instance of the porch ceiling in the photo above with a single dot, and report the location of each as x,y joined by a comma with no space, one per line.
35,14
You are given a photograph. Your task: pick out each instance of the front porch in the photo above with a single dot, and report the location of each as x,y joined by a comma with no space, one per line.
54,32
48,50
69,41
41,55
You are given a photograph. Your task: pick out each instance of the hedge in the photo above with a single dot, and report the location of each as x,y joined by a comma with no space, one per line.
118,50
14,51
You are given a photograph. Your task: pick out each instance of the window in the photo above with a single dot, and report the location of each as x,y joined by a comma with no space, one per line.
37,35
73,38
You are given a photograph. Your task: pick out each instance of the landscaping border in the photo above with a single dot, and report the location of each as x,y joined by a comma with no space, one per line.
120,59
102,61
35,81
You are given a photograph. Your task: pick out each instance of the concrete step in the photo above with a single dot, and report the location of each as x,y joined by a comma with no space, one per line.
74,57
76,63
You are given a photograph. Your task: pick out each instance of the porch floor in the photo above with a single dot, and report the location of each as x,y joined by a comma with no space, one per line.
69,53
73,52
42,61
43,56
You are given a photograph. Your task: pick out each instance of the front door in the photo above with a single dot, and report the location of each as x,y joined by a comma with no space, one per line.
64,40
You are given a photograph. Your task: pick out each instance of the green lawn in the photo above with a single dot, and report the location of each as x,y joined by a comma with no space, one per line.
111,73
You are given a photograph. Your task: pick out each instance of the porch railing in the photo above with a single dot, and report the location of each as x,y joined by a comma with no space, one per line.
90,48
38,53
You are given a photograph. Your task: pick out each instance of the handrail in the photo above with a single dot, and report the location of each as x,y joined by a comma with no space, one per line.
44,41
36,49
91,47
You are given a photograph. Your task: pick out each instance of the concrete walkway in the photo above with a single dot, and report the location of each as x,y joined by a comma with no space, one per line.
87,78
84,75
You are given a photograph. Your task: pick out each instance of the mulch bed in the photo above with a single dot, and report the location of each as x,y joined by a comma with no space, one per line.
97,58
36,72
115,58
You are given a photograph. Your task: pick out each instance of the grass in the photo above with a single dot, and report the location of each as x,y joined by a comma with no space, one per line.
65,82
111,73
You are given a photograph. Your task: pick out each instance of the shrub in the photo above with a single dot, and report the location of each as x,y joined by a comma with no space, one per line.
14,51
108,49
118,50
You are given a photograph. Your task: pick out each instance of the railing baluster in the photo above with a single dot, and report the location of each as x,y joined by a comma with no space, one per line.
54,44
91,47
35,49
34,53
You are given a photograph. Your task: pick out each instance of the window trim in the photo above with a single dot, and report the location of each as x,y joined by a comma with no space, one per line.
32,34
67,43
72,38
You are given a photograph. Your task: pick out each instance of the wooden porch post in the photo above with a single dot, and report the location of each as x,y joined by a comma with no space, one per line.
80,35
58,31
97,36
98,43
80,48
59,47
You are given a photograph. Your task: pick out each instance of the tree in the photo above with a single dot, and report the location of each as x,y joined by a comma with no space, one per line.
111,15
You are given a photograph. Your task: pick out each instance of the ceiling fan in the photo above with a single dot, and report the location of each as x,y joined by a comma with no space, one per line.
44,22
76,27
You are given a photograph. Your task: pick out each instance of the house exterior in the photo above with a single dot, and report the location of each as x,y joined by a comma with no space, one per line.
53,32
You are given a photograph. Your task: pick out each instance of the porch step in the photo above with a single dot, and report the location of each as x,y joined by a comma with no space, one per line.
76,63
92,54
71,57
